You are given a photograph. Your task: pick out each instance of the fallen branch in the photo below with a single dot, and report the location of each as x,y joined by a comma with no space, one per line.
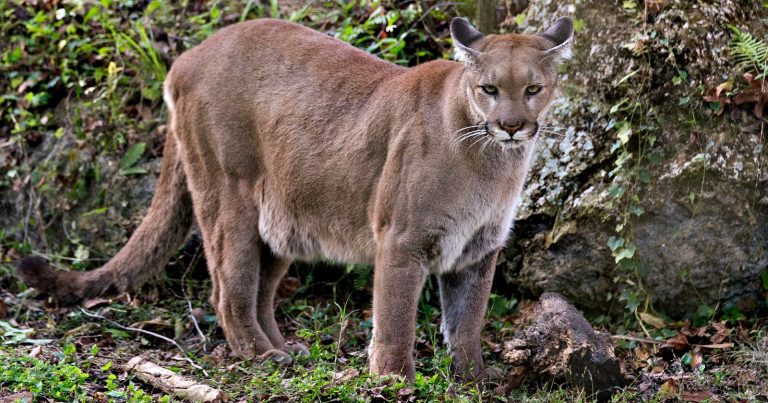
654,341
637,339
173,383
714,346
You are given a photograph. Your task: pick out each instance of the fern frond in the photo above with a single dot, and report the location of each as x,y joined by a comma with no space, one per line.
748,53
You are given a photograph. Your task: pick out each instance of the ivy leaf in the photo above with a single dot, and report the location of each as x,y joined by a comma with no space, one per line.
616,191
627,252
631,299
624,133
644,176
615,243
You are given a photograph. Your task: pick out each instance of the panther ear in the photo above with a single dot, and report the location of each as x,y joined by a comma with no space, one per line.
464,37
561,36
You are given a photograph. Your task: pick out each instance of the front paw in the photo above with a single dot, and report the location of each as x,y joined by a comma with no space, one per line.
468,369
384,363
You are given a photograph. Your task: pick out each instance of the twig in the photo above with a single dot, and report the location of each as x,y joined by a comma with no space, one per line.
189,303
159,336
654,341
637,339
714,346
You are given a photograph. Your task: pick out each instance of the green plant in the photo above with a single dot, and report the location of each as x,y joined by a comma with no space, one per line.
129,160
749,53
61,381
149,64
13,335
764,281
629,174
386,33
362,275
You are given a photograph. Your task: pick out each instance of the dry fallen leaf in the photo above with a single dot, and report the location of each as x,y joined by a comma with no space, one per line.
652,320
35,352
699,396
346,375
95,302
724,87
642,354
157,323
716,95
668,388
678,343
696,359
757,93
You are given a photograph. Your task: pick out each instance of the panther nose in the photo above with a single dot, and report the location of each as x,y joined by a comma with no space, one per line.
511,128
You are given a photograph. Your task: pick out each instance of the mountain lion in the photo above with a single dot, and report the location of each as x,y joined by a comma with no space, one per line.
285,143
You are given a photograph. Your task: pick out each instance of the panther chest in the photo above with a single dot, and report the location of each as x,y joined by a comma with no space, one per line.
459,249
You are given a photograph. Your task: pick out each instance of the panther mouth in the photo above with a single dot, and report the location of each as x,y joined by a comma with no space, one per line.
520,136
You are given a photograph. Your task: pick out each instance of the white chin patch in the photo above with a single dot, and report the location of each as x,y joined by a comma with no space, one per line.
520,136
502,135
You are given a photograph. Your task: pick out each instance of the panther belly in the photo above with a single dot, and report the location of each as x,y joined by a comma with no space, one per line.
312,238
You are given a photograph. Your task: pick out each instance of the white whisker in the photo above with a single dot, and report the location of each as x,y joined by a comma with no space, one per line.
466,136
485,144
470,134
475,142
466,128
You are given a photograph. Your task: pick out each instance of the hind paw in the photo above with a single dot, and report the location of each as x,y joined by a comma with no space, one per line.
295,348
277,356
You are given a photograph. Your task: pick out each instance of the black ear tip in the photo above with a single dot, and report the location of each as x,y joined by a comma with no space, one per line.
565,23
560,31
459,23
463,32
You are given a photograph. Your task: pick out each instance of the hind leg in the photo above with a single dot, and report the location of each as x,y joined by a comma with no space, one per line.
273,269
235,254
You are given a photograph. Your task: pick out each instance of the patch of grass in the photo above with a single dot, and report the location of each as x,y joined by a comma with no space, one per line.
336,366
60,381
66,377
754,353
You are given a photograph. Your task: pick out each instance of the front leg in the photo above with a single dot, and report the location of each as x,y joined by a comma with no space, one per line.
463,299
397,283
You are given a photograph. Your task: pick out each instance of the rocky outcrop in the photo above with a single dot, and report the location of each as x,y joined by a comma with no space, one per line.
702,234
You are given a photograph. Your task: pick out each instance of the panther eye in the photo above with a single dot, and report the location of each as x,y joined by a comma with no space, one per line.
489,89
533,89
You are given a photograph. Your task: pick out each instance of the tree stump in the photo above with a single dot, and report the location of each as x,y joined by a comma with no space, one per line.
561,343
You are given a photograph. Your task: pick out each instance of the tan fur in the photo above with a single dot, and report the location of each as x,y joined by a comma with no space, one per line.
295,145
